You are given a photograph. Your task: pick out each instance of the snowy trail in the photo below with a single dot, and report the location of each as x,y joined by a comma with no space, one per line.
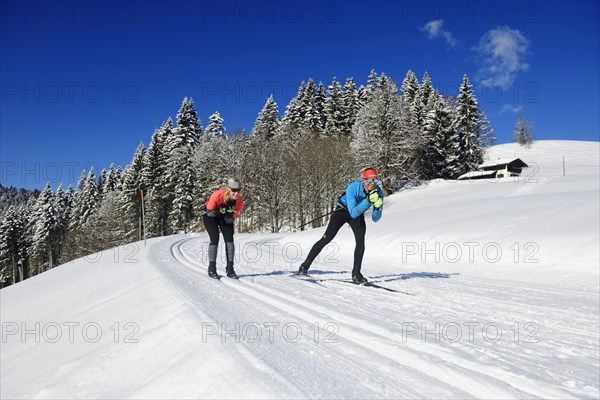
451,364
339,374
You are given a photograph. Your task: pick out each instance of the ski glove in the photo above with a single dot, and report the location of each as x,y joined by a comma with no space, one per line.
227,210
373,196
378,204
228,219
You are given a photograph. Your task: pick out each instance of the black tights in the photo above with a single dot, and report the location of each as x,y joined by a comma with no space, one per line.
213,225
338,219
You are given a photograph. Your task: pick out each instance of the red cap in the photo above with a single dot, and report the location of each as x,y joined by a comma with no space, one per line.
369,173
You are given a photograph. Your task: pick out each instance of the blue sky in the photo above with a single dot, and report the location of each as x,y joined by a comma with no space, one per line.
83,83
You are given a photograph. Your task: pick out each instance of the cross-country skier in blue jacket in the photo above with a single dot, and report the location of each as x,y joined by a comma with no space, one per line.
351,206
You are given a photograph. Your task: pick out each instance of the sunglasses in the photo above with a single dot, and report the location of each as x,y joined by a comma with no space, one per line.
371,180
235,190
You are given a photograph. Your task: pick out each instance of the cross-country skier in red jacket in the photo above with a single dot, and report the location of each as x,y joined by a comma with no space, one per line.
222,207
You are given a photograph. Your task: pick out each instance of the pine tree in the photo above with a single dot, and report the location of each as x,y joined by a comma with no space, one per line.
77,209
181,214
410,88
267,123
215,128
154,182
293,117
13,245
320,107
372,85
188,124
89,200
336,111
311,123
61,204
130,201
441,153
111,181
379,141
44,235
351,105
467,125
423,100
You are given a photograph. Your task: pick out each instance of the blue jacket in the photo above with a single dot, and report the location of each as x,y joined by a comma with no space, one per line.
355,200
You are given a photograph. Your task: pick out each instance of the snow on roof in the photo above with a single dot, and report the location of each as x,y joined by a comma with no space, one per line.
477,174
504,161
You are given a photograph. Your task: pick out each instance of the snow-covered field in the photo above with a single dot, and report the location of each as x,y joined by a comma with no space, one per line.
502,301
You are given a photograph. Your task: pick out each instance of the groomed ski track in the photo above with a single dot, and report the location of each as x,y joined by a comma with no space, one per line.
459,337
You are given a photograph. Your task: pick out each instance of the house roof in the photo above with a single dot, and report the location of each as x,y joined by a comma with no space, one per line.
501,162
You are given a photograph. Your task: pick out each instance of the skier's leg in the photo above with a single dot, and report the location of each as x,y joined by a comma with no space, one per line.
228,230
338,219
212,228
359,227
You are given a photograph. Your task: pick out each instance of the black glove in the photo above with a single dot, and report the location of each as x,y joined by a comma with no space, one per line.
228,219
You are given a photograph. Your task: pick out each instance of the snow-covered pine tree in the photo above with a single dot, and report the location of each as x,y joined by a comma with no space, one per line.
45,226
130,201
62,205
293,117
13,245
111,181
77,208
101,183
379,140
309,108
440,158
157,197
336,111
188,124
215,127
372,84
351,106
320,106
410,88
181,214
412,133
268,122
422,100
90,201
467,126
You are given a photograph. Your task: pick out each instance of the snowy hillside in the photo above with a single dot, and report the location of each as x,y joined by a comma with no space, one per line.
501,300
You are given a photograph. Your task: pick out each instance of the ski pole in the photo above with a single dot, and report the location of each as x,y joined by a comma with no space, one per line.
312,220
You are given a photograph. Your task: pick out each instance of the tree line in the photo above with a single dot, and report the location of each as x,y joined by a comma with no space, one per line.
293,168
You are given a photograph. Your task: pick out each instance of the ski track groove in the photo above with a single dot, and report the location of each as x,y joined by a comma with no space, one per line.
345,379
443,365
455,369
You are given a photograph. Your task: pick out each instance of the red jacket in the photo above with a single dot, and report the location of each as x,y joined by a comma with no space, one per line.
217,200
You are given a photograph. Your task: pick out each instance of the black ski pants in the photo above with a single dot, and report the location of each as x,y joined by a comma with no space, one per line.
213,225
338,219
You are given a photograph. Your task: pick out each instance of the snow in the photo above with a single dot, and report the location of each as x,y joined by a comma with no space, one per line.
475,174
505,277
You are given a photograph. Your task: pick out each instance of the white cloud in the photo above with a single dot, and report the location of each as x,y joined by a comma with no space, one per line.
501,53
510,108
435,29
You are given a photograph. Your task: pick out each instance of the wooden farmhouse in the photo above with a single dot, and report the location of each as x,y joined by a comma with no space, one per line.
500,168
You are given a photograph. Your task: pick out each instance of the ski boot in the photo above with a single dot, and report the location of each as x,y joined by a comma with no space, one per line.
230,272
212,270
302,271
358,279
